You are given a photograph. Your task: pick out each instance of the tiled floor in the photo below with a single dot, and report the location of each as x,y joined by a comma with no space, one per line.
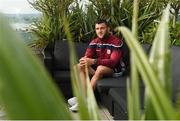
105,115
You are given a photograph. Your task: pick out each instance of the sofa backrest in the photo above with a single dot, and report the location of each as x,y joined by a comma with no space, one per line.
126,55
175,50
61,53
62,56
126,58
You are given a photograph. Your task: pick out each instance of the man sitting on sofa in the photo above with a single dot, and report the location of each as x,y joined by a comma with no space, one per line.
102,57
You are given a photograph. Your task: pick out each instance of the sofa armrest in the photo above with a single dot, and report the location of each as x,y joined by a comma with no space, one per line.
104,84
48,61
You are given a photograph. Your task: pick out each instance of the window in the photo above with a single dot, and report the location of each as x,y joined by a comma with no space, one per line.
21,15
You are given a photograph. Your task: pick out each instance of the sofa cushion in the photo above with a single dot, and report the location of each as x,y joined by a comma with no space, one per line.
103,85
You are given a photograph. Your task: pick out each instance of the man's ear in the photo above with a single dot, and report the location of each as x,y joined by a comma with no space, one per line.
109,30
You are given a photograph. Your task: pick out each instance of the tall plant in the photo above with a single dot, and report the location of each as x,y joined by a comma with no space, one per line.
175,9
50,27
119,12
81,22
28,92
82,18
156,78
86,100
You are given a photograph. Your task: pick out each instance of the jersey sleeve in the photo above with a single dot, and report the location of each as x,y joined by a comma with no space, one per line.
91,49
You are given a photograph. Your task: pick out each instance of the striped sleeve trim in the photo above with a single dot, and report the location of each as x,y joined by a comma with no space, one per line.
109,46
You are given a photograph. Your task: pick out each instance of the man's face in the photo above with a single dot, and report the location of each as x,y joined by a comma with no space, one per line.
101,30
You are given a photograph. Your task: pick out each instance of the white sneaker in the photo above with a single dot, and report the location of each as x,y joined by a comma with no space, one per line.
74,108
72,101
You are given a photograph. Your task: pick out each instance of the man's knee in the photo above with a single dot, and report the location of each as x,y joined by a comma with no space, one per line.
103,71
99,69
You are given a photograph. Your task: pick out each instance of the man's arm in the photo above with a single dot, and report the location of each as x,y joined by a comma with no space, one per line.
89,55
90,51
115,56
113,61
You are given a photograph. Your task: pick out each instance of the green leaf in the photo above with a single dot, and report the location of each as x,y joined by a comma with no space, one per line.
161,102
88,109
130,102
160,54
160,62
134,109
26,91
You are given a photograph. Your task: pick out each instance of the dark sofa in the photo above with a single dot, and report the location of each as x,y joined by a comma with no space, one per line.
115,91
111,91
56,60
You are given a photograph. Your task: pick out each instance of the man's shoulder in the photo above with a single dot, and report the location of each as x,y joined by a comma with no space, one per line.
116,40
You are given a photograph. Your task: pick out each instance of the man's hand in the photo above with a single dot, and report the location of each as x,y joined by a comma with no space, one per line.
84,60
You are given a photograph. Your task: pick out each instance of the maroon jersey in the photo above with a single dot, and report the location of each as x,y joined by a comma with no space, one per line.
107,51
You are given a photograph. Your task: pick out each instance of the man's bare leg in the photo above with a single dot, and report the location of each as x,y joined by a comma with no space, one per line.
91,71
83,77
100,72
73,101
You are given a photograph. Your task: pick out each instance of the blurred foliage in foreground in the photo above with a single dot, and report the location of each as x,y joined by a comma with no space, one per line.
155,73
26,89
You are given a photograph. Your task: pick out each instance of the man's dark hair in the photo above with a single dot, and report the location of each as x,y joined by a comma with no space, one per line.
99,21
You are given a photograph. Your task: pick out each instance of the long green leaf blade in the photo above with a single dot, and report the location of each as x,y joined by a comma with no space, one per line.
160,99
75,77
26,90
134,72
160,54
160,61
86,100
